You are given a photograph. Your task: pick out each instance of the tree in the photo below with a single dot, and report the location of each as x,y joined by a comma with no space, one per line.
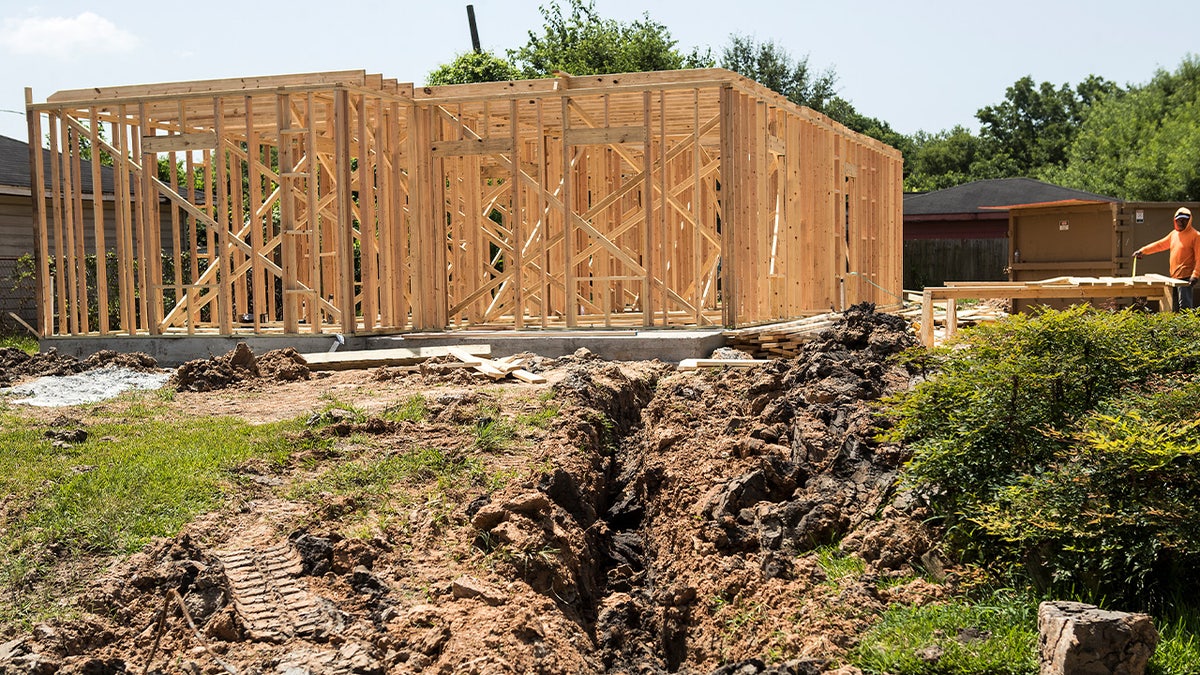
772,66
583,43
474,67
942,160
1032,129
1143,144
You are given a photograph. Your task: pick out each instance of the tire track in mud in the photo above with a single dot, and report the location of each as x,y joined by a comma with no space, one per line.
268,596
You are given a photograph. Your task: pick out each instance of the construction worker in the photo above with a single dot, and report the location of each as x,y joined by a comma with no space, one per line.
1184,244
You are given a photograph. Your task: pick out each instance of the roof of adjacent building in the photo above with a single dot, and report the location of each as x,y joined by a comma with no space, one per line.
976,197
15,174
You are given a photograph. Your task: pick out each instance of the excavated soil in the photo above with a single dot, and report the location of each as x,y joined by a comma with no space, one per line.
16,365
659,522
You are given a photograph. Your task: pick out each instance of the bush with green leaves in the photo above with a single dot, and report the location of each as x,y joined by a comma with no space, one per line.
1065,444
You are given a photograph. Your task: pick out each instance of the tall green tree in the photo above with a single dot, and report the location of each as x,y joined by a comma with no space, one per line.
581,42
1030,131
472,67
772,66
941,160
1143,145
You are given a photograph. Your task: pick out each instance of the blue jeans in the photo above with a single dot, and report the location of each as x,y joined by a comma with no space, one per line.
1183,297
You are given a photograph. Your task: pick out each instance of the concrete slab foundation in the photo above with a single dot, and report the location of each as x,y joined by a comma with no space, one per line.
624,345
173,350
633,345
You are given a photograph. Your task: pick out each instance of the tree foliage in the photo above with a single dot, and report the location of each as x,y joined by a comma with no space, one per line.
473,67
772,66
581,42
1143,145
1065,444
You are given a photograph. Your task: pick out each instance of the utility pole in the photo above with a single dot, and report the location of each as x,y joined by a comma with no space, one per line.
474,28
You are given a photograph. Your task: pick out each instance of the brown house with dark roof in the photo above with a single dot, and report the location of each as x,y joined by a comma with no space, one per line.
961,233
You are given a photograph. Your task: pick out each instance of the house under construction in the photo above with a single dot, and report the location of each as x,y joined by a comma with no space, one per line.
343,202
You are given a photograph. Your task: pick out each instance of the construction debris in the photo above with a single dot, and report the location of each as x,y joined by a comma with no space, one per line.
497,369
779,339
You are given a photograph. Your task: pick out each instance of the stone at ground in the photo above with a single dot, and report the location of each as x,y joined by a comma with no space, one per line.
1081,639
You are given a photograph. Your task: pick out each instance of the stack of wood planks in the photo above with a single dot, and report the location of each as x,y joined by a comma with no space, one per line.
779,339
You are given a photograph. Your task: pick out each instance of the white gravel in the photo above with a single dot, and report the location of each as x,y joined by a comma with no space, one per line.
89,387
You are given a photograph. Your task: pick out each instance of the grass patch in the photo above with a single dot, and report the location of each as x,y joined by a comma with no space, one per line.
136,477
1178,651
540,418
23,341
997,636
412,409
837,566
376,477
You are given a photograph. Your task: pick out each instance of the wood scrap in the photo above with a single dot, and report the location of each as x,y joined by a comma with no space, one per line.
695,364
498,369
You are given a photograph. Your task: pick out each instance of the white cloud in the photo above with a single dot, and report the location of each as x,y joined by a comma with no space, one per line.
65,37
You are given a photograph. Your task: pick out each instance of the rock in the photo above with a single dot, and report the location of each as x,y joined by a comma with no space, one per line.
529,503
470,587
1081,638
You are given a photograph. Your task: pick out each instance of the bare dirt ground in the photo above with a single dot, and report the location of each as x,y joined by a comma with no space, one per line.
652,522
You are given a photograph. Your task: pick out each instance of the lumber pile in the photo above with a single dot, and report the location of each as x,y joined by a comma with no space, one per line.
779,340
497,369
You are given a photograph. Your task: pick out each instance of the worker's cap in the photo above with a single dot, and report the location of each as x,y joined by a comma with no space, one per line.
1183,213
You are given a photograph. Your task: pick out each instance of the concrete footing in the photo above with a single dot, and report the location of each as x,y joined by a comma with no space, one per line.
624,345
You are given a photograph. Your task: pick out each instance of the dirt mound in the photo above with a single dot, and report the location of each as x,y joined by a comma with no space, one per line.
238,366
16,365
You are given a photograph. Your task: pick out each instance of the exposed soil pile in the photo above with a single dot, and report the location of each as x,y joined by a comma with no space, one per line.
662,522
16,365
238,366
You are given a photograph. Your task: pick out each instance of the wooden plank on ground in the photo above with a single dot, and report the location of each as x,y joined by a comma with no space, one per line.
694,364
372,358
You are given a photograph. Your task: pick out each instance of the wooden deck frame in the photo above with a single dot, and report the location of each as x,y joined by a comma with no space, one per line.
344,202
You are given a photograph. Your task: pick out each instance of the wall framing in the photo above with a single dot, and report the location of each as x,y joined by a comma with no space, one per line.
344,202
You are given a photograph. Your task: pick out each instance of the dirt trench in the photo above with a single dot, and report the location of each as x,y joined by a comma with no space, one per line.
676,525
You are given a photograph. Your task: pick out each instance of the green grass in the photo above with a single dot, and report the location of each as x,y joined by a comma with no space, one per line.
837,566
23,341
412,409
128,482
1002,638
1178,651
376,477
136,477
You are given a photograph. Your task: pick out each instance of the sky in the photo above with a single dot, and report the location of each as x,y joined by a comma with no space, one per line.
924,65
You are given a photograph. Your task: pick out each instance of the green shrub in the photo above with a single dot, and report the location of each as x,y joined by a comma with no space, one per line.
1062,444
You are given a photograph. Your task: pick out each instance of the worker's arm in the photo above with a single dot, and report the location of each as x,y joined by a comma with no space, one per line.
1154,247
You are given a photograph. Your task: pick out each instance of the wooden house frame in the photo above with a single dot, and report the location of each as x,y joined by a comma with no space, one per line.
345,202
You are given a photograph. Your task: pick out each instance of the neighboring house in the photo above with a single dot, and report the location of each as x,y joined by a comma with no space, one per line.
961,233
17,290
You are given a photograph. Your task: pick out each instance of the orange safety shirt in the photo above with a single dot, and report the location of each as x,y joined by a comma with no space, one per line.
1185,251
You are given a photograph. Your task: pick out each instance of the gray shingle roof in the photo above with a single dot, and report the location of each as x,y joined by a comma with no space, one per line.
972,197
14,168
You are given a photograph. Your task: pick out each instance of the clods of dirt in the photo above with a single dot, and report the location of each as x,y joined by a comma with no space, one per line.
239,366
16,365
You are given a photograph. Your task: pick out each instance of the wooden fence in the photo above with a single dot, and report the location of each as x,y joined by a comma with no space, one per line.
344,202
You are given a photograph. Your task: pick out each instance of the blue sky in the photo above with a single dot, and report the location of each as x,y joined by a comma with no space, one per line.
917,65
